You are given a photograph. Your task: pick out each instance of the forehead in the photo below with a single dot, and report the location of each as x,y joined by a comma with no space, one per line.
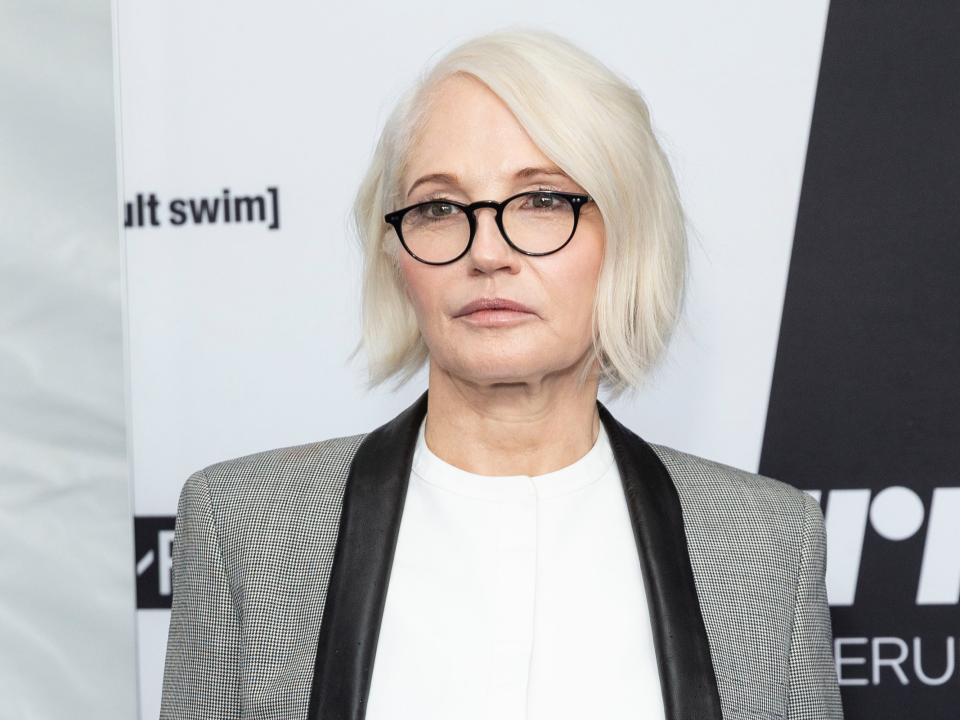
470,132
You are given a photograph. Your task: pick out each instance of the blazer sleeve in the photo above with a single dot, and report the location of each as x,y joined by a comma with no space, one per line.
814,693
201,671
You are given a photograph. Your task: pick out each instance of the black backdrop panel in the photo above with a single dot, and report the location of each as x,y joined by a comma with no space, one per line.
866,387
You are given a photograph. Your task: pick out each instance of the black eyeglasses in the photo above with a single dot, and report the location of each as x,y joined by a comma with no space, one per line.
441,231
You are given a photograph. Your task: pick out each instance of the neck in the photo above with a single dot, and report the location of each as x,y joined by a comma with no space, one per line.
515,428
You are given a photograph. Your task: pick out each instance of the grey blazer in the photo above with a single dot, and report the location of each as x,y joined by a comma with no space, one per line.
281,562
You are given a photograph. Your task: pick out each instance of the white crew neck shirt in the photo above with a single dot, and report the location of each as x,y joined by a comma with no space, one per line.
515,597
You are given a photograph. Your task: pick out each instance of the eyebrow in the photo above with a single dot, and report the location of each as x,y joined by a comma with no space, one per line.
523,174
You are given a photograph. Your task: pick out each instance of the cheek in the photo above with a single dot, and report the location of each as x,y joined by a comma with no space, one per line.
422,286
572,289
574,282
414,282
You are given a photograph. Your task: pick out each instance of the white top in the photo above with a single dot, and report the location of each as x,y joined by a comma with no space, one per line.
515,597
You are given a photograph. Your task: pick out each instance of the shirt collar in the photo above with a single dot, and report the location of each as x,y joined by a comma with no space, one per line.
430,468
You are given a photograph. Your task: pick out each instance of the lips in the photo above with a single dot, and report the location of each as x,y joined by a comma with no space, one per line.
493,304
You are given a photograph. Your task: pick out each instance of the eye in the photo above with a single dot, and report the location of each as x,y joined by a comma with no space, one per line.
432,211
543,200
439,209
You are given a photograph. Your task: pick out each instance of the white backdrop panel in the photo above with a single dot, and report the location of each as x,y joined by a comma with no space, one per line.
238,334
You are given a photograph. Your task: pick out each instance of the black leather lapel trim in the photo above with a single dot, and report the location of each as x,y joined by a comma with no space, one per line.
366,540
683,652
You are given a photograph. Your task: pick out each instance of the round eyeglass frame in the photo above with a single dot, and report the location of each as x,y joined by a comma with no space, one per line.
576,201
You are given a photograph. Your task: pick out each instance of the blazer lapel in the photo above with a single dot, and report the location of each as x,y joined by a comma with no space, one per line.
683,653
369,524
367,538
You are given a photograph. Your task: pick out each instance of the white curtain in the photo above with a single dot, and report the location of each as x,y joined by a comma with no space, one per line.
66,551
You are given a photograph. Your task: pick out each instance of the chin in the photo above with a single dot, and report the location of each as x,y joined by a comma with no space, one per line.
501,369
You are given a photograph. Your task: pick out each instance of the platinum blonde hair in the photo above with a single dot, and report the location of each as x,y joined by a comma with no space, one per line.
596,127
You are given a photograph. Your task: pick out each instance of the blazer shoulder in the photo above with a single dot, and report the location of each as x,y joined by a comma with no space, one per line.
282,473
709,484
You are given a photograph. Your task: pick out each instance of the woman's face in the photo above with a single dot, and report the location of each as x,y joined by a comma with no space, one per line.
473,137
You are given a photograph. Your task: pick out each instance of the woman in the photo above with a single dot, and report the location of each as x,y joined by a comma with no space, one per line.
504,548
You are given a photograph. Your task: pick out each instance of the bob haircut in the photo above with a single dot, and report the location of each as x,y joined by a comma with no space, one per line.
596,127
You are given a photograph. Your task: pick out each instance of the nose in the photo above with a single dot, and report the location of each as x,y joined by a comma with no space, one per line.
490,250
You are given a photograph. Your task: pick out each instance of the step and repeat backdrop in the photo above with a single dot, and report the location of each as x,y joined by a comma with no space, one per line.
815,150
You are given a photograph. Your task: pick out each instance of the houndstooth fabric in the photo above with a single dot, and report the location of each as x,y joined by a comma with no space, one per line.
254,546
758,551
